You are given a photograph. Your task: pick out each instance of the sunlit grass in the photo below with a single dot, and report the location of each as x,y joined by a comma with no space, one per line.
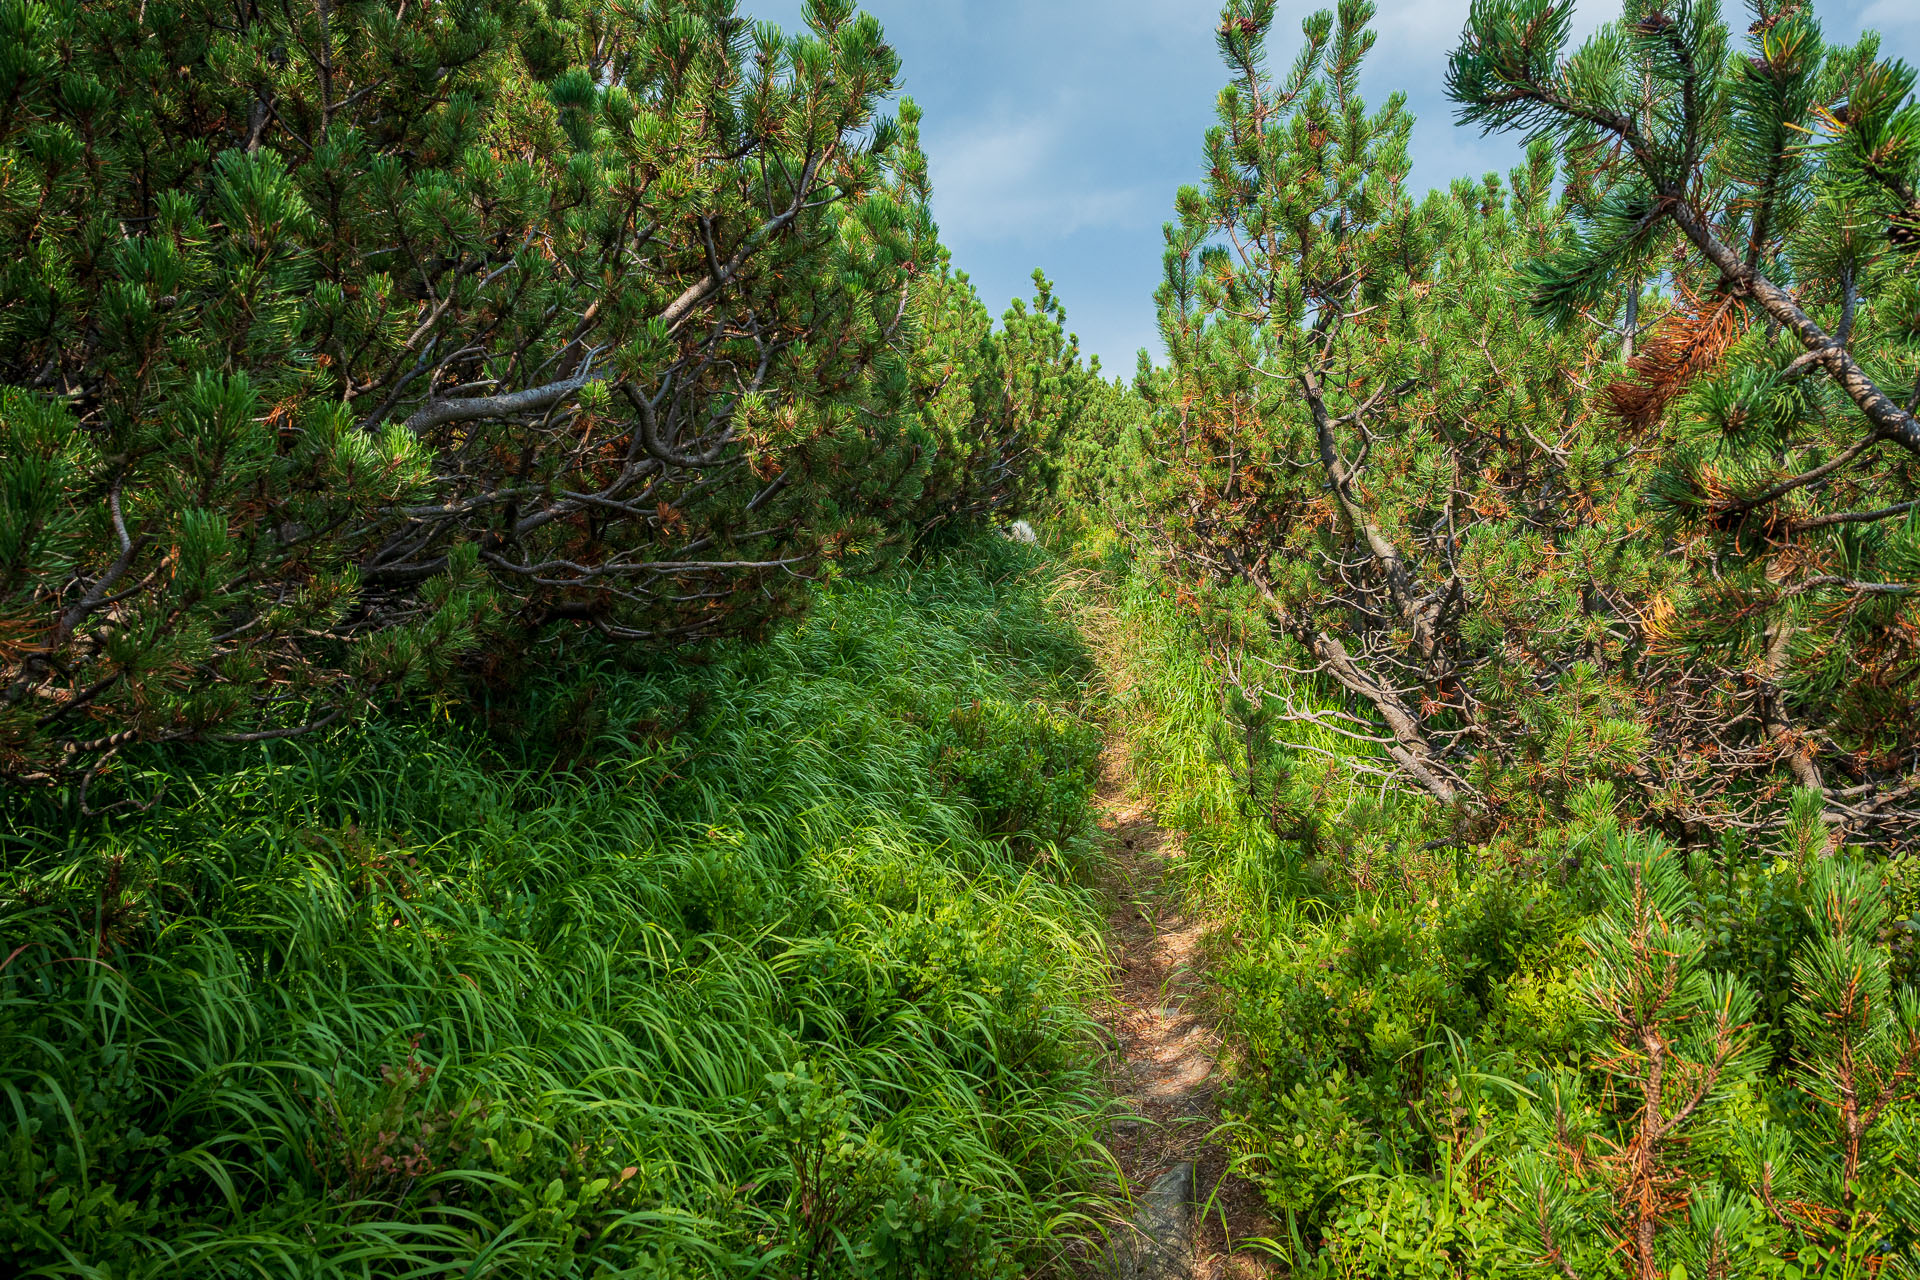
412,1001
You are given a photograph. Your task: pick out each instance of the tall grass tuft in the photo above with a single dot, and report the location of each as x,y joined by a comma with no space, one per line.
710,969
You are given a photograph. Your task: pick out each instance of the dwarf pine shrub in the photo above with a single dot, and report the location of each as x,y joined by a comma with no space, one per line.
346,349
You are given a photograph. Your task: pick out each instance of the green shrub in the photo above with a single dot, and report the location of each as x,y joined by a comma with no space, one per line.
1401,1229
1311,1140
1027,768
1498,929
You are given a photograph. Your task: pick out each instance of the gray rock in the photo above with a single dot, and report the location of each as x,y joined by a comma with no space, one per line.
1162,1244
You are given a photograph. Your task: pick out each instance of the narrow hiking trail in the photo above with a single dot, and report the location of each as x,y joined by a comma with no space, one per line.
1165,1062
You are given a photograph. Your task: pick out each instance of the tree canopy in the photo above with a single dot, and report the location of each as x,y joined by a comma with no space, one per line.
1400,427
349,345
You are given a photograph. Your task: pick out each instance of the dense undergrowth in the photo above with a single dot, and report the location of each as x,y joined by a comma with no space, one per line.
1420,1028
764,966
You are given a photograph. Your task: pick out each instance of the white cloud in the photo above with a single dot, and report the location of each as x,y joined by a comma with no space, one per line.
1016,179
1892,15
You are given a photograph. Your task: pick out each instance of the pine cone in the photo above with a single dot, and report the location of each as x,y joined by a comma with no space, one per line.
1903,232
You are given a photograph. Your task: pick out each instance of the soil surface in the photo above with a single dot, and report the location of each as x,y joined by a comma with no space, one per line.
1166,1045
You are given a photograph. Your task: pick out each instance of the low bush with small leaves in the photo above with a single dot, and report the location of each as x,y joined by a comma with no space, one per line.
1027,768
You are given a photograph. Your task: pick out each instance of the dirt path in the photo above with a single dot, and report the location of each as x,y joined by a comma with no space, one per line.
1166,1044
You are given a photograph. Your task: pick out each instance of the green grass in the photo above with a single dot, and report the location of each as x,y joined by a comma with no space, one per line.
741,989
1268,825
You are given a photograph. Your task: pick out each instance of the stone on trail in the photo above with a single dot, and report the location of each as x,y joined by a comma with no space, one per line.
1161,1247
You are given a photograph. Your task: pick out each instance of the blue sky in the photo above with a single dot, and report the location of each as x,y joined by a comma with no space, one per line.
1059,130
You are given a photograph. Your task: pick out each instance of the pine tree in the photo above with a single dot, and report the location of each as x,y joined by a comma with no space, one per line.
1697,1170
344,341
1679,1041
1768,192
1364,424
996,406
1859,1039
1397,428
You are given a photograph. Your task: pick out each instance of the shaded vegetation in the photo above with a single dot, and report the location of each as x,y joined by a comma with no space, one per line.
1439,1050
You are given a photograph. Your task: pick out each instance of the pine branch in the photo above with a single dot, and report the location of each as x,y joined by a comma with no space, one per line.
1775,492
1851,517
437,413
1890,420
